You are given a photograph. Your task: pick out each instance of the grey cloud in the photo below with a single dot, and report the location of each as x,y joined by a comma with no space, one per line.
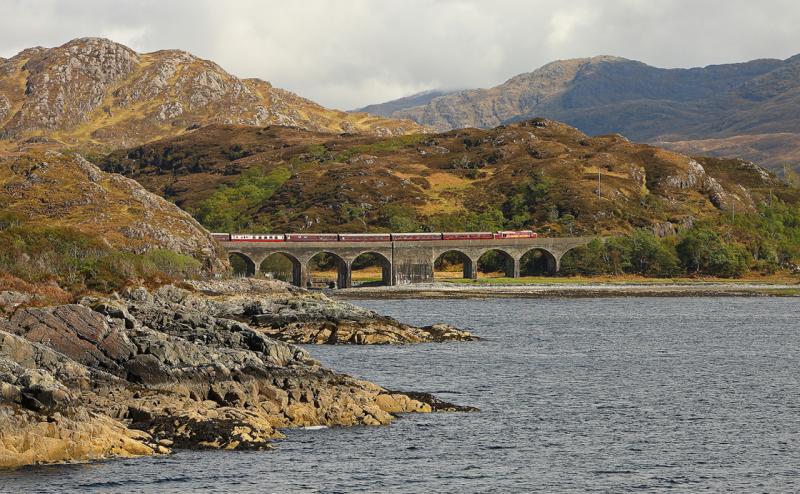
349,53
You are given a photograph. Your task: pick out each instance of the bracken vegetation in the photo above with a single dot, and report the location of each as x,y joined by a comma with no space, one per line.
76,262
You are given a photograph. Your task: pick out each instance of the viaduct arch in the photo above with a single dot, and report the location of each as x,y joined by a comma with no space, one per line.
403,262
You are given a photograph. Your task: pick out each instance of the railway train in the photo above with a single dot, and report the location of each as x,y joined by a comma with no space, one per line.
370,237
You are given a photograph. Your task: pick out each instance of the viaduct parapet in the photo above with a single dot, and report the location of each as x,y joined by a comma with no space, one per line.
403,262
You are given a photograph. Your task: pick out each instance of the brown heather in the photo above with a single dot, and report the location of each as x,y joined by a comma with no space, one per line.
538,173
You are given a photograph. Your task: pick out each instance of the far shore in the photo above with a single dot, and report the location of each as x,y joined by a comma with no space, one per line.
498,288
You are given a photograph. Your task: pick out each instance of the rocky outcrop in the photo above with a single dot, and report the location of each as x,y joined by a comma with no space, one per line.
303,317
146,372
66,190
42,412
380,332
30,438
692,175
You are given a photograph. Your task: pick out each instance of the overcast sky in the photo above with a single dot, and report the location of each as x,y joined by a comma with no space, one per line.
349,53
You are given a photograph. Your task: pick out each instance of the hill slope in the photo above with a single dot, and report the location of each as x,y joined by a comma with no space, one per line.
94,91
539,173
55,191
601,95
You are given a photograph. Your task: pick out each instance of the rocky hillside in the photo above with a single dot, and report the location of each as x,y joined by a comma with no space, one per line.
93,91
539,173
739,110
52,190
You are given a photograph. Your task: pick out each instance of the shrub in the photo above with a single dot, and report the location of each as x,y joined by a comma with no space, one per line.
488,220
173,264
590,259
703,251
399,219
651,256
639,253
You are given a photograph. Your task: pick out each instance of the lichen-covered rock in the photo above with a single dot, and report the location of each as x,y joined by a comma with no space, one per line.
28,438
44,413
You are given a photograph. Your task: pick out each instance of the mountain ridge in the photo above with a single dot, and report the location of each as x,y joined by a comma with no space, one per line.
607,94
93,91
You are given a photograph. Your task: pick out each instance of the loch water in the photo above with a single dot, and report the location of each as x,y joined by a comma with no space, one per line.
575,395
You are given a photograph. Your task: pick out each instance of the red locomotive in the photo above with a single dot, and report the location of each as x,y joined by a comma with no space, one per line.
370,237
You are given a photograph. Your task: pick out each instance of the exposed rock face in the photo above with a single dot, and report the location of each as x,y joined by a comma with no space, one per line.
67,190
95,91
146,372
42,413
65,85
30,438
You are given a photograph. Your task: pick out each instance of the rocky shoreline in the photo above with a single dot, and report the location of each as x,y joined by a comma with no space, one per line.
143,372
567,290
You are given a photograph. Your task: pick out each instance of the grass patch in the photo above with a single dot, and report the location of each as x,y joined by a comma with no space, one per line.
383,146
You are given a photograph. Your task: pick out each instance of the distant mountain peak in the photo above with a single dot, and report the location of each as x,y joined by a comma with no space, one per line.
416,99
607,94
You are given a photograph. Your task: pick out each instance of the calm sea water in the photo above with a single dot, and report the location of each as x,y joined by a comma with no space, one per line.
576,395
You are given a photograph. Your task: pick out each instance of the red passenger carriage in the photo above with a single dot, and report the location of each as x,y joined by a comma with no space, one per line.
371,237
312,237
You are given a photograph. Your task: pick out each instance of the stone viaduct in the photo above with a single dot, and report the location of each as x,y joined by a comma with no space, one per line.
403,262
